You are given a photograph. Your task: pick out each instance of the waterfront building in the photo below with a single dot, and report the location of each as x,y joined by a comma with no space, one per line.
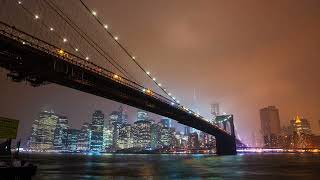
60,134
141,134
43,129
167,136
125,139
155,135
107,138
83,144
72,139
96,128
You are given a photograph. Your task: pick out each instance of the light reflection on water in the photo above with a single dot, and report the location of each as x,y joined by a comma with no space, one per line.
166,166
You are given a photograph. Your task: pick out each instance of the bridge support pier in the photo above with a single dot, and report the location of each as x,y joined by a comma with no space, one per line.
226,145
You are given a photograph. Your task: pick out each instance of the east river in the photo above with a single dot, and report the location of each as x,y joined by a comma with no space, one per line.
169,166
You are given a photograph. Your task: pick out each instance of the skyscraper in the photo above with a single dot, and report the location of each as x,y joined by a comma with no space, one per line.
193,141
166,122
125,140
83,144
60,134
167,135
301,126
215,111
142,134
107,138
72,139
270,121
43,129
97,131
155,135
142,115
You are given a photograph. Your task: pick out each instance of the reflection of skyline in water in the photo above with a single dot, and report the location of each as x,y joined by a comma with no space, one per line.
166,166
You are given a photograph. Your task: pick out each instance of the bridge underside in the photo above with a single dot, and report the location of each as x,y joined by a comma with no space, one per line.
38,67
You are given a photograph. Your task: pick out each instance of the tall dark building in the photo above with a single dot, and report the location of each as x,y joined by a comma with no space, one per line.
96,142
187,130
83,144
72,139
60,134
155,135
270,121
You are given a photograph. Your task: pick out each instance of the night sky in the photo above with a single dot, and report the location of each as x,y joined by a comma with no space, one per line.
244,54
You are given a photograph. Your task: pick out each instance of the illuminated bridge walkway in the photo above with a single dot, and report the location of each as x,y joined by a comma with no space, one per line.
43,41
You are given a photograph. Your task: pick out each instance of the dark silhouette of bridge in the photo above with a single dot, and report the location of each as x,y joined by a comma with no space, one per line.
29,58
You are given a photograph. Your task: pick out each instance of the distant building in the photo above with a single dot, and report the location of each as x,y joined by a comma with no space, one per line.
116,121
43,129
270,121
142,134
142,115
97,125
167,136
215,110
125,139
301,126
166,122
181,140
193,141
60,134
72,139
155,136
107,138
84,138
187,130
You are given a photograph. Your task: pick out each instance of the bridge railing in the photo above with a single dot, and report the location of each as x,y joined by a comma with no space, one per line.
29,40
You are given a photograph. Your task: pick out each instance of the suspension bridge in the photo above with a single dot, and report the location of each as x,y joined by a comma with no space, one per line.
68,43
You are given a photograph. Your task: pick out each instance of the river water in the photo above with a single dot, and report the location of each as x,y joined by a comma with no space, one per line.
168,166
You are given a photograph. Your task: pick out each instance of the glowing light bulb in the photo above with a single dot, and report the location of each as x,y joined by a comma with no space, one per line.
116,38
23,42
115,76
105,26
87,58
169,94
76,49
51,29
94,13
148,72
133,57
65,40
36,16
19,2
154,79
160,84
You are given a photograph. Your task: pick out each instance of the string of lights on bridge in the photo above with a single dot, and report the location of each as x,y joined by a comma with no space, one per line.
115,76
